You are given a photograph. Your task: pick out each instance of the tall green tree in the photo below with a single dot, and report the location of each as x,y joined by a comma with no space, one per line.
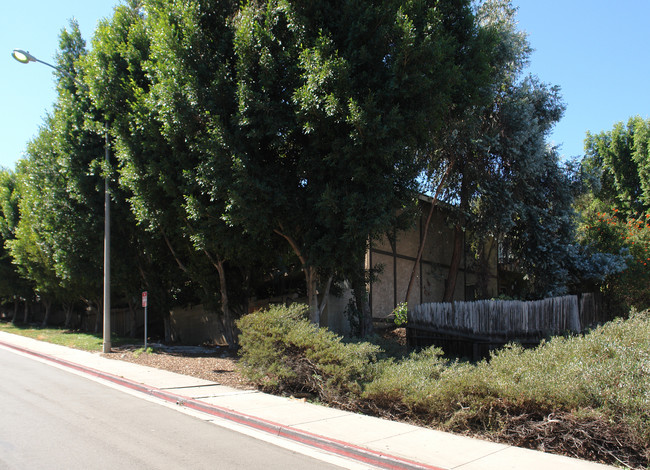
82,140
520,193
77,225
194,95
615,208
496,52
493,166
617,166
115,74
33,248
170,92
58,243
336,102
58,237
13,287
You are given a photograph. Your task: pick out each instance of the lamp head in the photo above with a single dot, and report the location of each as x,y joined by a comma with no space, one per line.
22,56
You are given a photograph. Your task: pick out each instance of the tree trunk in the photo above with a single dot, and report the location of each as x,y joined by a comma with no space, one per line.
459,242
99,318
173,252
227,320
312,294
316,306
246,276
325,296
68,316
226,315
48,309
366,328
311,280
454,265
133,317
14,318
483,275
26,313
170,334
69,311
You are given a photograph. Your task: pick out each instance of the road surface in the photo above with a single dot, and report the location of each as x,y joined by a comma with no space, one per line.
54,419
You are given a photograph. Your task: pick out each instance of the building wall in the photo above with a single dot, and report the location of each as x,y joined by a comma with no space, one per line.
335,315
395,257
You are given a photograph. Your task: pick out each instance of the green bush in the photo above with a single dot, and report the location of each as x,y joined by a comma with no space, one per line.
282,351
592,389
401,314
428,389
138,352
607,369
588,396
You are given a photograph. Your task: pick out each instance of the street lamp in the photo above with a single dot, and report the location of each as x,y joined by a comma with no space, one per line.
25,58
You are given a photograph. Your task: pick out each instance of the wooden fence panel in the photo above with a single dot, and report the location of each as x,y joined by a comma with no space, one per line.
547,316
494,322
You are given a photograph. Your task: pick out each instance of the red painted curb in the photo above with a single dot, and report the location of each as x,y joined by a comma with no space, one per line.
333,446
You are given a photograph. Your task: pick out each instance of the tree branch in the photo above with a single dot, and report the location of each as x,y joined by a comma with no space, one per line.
173,252
434,202
294,246
325,295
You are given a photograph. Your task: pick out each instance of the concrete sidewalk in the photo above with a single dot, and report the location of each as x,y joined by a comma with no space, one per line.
371,441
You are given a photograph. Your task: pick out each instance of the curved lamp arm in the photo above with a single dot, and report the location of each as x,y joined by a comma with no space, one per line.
24,57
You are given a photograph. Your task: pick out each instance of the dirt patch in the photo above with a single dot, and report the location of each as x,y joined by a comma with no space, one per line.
398,335
217,365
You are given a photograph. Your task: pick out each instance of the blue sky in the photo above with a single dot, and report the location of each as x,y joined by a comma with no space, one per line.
595,50
598,52
29,89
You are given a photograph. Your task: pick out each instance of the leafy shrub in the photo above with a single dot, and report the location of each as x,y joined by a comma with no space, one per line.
586,396
608,368
614,233
594,390
281,350
423,388
138,352
428,389
401,314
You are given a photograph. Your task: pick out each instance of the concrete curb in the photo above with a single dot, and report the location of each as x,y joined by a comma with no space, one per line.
340,448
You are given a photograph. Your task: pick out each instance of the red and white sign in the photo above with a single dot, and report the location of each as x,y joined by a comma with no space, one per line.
144,299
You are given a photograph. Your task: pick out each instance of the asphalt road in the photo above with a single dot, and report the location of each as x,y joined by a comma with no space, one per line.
53,419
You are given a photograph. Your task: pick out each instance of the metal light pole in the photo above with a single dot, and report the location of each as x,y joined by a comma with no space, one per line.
25,58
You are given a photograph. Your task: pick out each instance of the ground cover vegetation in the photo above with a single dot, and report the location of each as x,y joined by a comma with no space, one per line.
64,337
586,396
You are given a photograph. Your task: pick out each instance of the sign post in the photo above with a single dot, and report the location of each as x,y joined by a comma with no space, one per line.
144,304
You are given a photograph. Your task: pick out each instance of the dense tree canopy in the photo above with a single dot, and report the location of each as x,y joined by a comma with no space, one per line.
617,166
250,136
494,168
280,118
336,103
13,287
